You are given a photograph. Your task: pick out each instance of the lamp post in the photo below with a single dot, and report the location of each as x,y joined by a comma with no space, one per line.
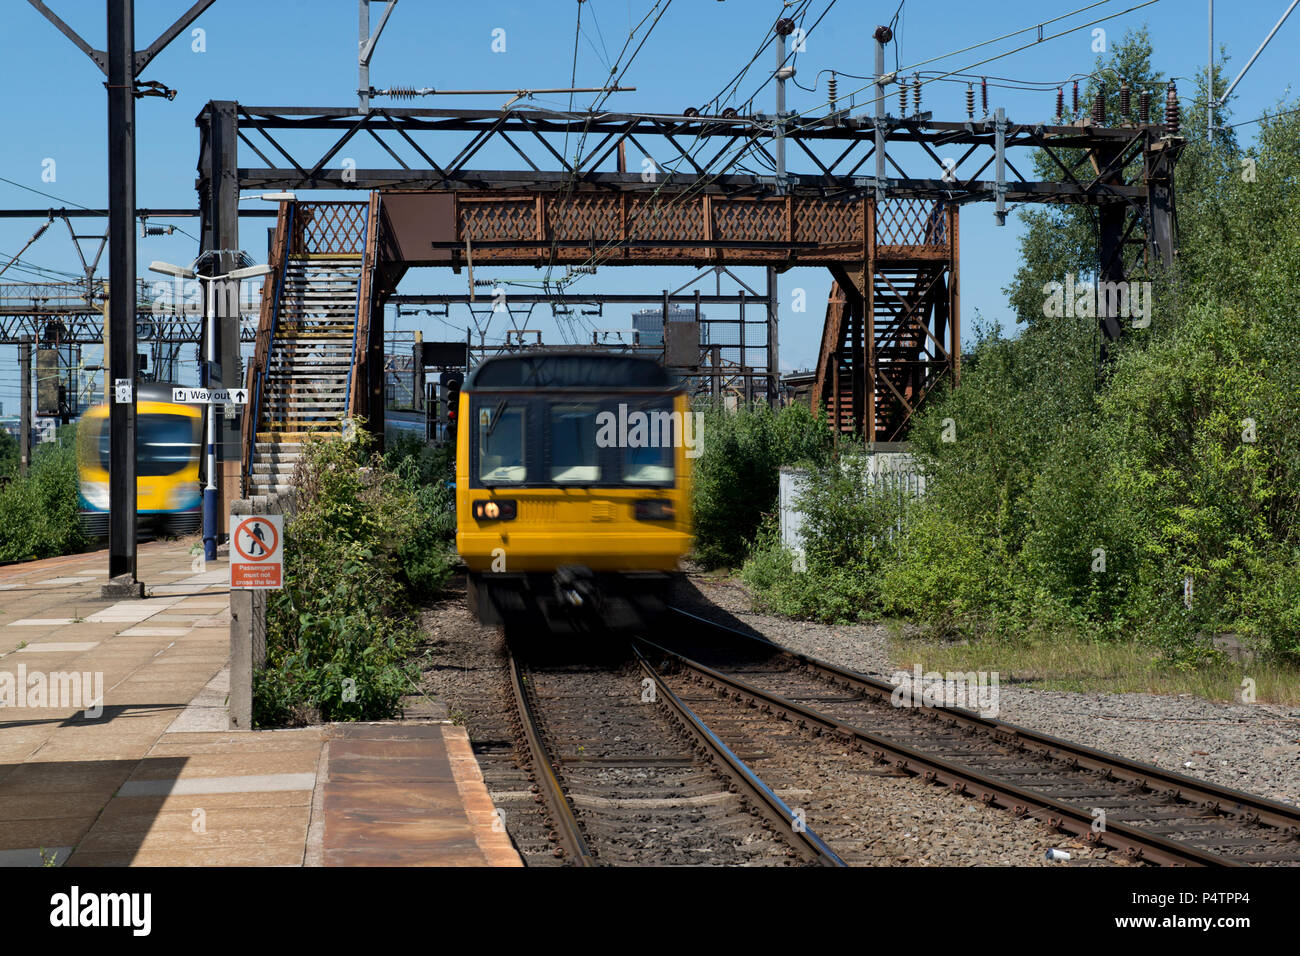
210,332
272,197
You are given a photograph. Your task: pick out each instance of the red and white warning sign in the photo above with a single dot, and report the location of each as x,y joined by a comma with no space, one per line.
256,551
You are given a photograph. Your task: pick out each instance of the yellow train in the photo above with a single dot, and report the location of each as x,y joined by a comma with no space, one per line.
168,436
573,487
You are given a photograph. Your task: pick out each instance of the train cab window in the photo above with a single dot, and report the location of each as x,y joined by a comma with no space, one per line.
164,444
574,453
501,444
648,465
650,460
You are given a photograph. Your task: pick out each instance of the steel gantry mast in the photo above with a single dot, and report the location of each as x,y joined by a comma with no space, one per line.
122,64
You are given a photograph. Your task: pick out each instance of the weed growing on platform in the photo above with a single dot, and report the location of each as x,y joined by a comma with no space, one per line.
340,632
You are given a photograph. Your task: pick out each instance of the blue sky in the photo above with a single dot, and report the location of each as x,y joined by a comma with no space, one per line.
293,52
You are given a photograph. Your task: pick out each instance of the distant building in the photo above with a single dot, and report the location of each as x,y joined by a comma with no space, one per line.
649,324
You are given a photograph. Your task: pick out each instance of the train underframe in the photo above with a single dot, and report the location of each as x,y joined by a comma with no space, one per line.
571,599
149,524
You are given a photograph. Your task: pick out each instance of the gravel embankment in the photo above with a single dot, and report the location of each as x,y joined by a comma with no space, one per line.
1252,747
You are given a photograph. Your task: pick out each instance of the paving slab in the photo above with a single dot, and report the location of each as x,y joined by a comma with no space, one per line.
392,796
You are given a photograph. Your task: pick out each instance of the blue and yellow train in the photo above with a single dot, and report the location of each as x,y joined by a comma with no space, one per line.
573,487
168,436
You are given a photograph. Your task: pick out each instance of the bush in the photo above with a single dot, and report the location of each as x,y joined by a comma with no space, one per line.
1268,612
848,537
427,557
1078,501
338,637
834,594
38,513
736,479
365,540
945,574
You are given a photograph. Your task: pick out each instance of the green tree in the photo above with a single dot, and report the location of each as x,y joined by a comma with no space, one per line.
10,454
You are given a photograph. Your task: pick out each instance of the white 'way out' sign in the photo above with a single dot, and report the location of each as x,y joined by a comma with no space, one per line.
210,396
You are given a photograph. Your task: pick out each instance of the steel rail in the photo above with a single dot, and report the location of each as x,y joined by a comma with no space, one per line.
991,790
1211,796
566,823
760,793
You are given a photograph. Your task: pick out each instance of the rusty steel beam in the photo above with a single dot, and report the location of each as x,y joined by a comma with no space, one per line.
596,228
479,180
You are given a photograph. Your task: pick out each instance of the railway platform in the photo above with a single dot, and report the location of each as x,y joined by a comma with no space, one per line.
115,748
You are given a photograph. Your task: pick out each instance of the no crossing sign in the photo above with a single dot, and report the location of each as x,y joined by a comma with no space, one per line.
257,551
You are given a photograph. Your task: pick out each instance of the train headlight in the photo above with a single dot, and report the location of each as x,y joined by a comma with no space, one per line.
495,509
654,509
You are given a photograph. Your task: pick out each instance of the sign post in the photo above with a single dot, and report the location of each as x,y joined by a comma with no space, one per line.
210,396
257,551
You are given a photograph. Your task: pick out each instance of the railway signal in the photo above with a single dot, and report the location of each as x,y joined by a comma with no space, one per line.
451,383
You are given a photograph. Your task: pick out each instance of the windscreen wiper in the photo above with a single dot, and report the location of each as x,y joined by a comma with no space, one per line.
496,416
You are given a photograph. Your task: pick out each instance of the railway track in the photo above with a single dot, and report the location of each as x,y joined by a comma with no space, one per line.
1148,814
631,776
497,748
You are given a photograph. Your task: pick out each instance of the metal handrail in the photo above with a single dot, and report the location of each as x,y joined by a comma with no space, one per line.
364,296
356,325
262,351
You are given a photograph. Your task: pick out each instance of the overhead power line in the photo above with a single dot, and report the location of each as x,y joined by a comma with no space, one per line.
30,189
1261,119
999,56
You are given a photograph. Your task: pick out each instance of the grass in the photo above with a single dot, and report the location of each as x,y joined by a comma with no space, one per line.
1062,663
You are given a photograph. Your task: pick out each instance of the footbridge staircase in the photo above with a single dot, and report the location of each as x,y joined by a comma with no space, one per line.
309,370
892,333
